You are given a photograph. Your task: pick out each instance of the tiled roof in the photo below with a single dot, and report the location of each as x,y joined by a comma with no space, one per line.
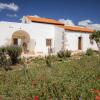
59,24
44,20
76,28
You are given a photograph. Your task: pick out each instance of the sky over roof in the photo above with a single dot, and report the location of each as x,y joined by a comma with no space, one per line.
71,12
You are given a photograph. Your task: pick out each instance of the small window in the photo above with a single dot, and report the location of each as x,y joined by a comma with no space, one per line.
48,42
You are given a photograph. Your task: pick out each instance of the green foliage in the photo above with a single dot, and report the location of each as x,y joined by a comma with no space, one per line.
48,60
60,54
67,53
3,49
64,54
89,52
4,60
64,81
9,55
14,52
96,36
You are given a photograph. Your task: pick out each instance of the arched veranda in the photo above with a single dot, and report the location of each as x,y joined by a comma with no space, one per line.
21,38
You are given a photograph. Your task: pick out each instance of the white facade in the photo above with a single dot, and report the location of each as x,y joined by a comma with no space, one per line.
39,32
72,41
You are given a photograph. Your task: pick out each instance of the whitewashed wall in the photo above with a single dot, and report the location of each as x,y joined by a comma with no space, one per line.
72,41
58,39
38,33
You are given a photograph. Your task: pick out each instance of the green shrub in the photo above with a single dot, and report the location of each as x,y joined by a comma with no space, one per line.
20,60
67,53
89,52
64,54
14,52
4,60
48,60
60,54
3,49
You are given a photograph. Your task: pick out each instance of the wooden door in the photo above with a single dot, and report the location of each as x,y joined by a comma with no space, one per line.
80,43
15,41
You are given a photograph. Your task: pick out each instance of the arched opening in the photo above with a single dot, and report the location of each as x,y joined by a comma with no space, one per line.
21,38
80,43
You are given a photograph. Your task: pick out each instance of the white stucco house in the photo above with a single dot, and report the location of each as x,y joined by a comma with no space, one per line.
40,36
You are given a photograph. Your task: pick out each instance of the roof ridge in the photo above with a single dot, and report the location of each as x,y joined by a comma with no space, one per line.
44,20
76,28
41,17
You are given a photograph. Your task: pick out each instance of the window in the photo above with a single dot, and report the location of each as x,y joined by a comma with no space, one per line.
48,42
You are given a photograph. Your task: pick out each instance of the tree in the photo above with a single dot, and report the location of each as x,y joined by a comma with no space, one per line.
96,36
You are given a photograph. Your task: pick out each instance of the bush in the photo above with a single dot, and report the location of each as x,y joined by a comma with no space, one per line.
64,54
3,49
89,52
67,53
60,54
48,60
14,52
2,57
4,60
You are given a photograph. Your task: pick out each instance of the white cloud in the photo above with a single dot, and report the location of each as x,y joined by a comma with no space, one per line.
29,15
10,6
88,23
11,15
33,16
36,16
85,22
67,22
94,26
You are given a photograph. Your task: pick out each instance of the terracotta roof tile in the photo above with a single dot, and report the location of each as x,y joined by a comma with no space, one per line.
59,24
44,20
76,28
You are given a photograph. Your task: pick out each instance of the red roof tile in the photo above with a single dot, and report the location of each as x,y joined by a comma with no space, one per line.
59,24
44,20
76,28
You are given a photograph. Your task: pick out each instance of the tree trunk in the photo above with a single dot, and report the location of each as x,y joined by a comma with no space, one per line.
98,44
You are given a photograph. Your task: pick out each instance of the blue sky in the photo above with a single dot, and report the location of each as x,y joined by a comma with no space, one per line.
74,10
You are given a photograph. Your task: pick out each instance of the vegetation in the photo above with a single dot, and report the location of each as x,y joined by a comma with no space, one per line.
67,53
96,36
89,52
9,56
14,52
65,80
64,54
4,60
2,57
48,60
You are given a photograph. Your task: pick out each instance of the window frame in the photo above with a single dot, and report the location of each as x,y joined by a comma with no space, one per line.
48,42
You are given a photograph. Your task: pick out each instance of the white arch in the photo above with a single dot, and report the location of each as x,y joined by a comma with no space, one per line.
21,35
